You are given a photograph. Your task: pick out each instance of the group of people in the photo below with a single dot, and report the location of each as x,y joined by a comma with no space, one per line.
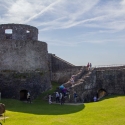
59,98
89,66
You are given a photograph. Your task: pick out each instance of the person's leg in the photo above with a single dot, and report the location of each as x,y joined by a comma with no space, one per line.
58,99
30,100
61,101
75,100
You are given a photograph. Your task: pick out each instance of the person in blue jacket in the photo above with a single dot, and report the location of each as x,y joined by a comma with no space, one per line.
75,97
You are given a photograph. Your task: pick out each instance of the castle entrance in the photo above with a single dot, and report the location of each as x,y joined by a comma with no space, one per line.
101,93
23,95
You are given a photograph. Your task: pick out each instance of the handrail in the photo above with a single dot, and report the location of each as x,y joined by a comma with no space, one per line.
113,65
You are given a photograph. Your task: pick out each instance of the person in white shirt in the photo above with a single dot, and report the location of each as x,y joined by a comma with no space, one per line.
95,98
57,97
50,99
28,97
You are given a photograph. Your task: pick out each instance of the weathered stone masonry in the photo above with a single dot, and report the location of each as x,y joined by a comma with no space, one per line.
99,82
111,80
26,65
61,70
19,32
23,62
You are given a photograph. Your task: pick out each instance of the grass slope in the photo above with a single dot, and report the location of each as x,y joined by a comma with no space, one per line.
109,111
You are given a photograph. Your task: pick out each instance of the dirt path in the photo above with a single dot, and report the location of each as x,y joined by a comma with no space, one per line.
70,103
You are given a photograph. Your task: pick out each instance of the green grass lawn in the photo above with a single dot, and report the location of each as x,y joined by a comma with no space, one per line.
109,111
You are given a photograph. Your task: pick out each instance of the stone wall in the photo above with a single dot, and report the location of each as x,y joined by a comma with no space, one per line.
61,70
18,32
99,82
85,87
12,83
64,75
112,80
58,63
23,62
22,55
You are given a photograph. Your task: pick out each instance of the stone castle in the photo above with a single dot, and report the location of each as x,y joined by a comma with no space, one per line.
26,65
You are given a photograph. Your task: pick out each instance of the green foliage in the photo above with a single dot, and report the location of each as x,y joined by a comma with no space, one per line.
109,111
43,95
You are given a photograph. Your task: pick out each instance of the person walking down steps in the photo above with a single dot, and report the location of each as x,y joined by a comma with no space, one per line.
88,66
72,80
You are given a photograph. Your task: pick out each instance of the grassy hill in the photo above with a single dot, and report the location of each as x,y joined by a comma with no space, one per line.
109,111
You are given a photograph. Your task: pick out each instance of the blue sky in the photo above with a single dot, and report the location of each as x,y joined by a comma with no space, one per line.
78,31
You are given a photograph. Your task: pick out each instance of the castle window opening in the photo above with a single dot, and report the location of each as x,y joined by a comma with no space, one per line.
27,31
8,31
101,93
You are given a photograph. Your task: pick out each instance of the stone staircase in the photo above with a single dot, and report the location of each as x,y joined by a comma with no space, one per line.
81,83
76,77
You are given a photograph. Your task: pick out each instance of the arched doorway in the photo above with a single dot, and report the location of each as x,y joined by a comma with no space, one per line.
101,93
23,95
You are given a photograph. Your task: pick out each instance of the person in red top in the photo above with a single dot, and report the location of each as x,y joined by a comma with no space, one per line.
88,66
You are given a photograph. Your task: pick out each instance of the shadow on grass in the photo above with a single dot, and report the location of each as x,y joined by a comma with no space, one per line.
40,107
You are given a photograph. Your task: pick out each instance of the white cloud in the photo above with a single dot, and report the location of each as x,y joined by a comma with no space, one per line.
61,14
65,14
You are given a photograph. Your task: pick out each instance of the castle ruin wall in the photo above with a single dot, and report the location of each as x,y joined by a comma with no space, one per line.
23,55
61,70
110,80
18,32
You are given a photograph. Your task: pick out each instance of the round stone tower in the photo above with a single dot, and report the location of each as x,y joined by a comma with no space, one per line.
23,62
20,49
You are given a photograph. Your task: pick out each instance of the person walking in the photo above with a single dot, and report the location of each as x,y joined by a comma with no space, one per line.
61,99
57,97
88,65
75,97
72,80
28,97
95,99
50,99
